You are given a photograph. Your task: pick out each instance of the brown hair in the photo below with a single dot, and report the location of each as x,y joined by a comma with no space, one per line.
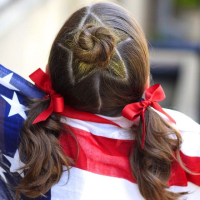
99,63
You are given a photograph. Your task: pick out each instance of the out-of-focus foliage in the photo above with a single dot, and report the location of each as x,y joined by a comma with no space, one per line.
187,3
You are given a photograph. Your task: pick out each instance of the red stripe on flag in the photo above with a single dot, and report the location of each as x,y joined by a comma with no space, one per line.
193,164
109,157
97,154
178,176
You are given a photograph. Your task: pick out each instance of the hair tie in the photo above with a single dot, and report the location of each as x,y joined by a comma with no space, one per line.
43,81
134,110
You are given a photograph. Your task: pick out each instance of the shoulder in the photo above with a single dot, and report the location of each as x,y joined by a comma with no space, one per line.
190,133
183,122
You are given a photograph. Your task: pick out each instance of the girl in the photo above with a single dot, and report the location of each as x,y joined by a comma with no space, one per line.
93,136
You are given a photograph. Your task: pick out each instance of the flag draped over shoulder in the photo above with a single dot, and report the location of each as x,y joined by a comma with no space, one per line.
102,170
14,91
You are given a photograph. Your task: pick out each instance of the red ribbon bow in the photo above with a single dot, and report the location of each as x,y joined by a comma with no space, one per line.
43,81
134,110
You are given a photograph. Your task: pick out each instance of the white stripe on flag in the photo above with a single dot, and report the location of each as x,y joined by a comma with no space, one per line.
99,129
84,185
191,144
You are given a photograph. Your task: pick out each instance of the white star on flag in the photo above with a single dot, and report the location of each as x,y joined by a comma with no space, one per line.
5,81
2,171
15,163
16,107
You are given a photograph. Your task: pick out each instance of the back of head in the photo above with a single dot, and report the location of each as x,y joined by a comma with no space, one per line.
99,60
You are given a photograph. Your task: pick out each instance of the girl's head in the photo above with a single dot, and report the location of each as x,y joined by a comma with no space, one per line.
99,60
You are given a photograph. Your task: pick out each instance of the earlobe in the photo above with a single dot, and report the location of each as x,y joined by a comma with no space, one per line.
147,84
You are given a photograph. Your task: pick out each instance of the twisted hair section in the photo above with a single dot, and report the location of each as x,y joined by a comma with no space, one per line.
94,45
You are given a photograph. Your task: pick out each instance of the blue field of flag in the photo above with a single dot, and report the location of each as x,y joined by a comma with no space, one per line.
14,91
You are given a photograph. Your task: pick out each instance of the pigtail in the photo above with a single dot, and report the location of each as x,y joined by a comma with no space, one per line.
151,165
41,152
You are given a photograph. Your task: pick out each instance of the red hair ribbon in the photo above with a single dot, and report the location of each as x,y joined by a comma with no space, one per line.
43,81
134,110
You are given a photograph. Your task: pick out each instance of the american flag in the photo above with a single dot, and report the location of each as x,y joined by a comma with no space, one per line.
102,170
14,91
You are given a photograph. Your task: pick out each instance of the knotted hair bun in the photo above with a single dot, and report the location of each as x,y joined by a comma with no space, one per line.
94,45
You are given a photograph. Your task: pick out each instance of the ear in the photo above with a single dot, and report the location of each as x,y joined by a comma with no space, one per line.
147,84
47,69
